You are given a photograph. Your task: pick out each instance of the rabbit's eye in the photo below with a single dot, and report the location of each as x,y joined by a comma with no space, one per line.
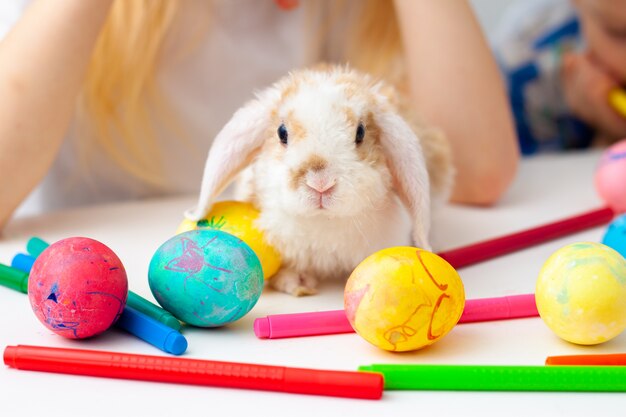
360,133
283,135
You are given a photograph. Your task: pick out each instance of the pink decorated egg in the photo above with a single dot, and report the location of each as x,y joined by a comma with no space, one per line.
77,287
610,176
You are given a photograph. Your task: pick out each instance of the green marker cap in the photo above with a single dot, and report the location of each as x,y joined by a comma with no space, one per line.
14,278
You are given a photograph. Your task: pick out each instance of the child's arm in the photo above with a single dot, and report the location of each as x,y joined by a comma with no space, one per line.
43,61
456,85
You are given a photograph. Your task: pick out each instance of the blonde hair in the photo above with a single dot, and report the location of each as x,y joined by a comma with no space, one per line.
374,42
120,90
120,96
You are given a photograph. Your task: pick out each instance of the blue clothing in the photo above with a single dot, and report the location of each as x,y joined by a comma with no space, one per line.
529,49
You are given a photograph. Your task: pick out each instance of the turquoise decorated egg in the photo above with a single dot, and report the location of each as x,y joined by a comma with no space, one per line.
206,278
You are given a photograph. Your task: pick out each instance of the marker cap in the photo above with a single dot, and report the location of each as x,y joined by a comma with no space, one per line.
23,262
262,327
35,246
14,278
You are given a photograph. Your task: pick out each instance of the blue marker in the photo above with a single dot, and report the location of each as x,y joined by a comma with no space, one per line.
23,262
615,236
152,331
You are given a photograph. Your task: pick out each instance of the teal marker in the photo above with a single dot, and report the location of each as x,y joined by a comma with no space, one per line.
35,246
501,378
146,307
135,301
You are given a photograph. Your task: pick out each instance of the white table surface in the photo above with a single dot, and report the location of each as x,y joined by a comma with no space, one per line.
547,188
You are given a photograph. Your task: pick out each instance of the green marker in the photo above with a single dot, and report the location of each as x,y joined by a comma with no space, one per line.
35,246
501,378
146,307
14,278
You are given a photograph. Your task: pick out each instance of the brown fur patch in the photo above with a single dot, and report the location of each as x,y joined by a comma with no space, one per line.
370,150
290,85
350,116
348,78
295,129
289,90
350,91
315,163
272,146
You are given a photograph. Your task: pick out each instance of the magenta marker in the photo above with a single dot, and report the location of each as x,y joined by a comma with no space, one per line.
334,322
499,308
302,324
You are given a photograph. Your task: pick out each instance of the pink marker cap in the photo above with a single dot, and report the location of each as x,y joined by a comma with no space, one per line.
262,328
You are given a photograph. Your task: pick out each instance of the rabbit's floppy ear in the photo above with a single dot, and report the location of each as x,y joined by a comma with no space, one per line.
233,148
407,165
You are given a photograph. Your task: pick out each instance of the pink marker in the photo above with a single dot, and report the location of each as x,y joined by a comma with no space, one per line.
499,308
334,322
302,324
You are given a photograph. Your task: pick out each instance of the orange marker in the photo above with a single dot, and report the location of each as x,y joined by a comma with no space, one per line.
609,359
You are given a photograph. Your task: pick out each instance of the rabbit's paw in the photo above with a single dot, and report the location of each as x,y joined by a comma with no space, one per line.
292,282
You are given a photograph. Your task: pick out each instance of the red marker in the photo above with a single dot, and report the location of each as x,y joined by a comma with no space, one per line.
482,251
364,385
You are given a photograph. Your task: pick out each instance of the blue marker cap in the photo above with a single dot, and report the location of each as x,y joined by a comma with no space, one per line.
615,236
152,331
23,262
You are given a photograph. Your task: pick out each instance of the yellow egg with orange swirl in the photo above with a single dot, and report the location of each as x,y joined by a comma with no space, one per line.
403,298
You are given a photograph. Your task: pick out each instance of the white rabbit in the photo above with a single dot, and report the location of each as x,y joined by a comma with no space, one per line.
334,170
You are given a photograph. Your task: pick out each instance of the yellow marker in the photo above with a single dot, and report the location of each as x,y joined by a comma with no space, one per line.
237,218
617,99
403,298
581,293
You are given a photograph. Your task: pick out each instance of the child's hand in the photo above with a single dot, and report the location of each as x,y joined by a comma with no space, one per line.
586,88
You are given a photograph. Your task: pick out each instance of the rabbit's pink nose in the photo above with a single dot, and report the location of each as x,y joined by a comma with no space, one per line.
321,186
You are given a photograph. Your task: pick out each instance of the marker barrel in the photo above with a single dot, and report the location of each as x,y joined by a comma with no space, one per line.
14,278
302,324
501,378
152,331
362,385
499,308
482,251
146,307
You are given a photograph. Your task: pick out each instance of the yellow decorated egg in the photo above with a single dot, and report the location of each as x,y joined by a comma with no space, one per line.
237,218
403,298
581,293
